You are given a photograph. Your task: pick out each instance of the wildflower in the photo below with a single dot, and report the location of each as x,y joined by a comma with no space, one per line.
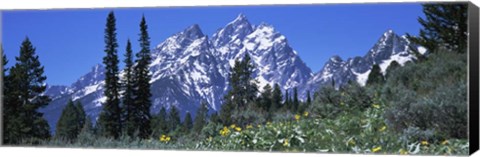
249,126
225,131
238,129
351,142
305,114
210,138
445,142
232,126
376,149
165,138
403,152
382,128
285,142
269,123
424,142
297,117
376,106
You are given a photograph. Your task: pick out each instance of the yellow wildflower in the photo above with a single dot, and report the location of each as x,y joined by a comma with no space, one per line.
305,114
167,139
269,123
382,128
285,142
232,126
297,117
225,131
376,106
376,149
403,152
351,142
238,129
249,126
424,142
445,142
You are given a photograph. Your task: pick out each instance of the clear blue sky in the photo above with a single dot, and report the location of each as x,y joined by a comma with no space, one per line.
70,42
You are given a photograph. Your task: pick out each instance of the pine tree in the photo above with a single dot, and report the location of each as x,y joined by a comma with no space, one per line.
174,119
276,97
110,117
71,121
187,124
141,84
296,102
266,98
128,106
287,100
445,26
309,100
25,96
243,89
375,76
200,117
159,123
393,65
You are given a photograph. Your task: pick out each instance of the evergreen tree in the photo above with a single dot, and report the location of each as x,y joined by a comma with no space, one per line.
375,76
127,120
287,100
71,121
200,117
187,124
159,123
243,89
296,102
393,65
276,97
110,117
444,26
87,126
141,85
309,100
174,119
24,97
266,98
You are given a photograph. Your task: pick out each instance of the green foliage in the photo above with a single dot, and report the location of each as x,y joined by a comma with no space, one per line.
71,121
200,117
128,99
110,117
141,84
173,119
296,102
444,26
430,95
187,124
375,76
393,65
265,100
23,96
276,98
159,123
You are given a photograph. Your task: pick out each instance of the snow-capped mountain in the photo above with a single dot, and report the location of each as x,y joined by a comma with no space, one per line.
390,47
188,68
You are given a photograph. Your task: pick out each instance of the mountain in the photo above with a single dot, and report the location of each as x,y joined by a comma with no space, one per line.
189,67
389,47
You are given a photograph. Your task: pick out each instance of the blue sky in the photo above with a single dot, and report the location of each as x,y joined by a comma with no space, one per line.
69,42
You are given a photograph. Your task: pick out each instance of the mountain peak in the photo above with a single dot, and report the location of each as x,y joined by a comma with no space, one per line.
193,32
241,18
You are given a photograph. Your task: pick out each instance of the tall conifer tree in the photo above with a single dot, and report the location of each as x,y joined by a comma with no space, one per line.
128,103
110,117
276,97
141,85
200,117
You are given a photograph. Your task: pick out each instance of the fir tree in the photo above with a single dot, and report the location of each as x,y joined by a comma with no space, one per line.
127,119
174,119
187,124
393,65
375,76
296,102
309,100
276,97
243,89
444,26
266,98
287,100
159,123
25,96
141,84
71,121
110,117
200,117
